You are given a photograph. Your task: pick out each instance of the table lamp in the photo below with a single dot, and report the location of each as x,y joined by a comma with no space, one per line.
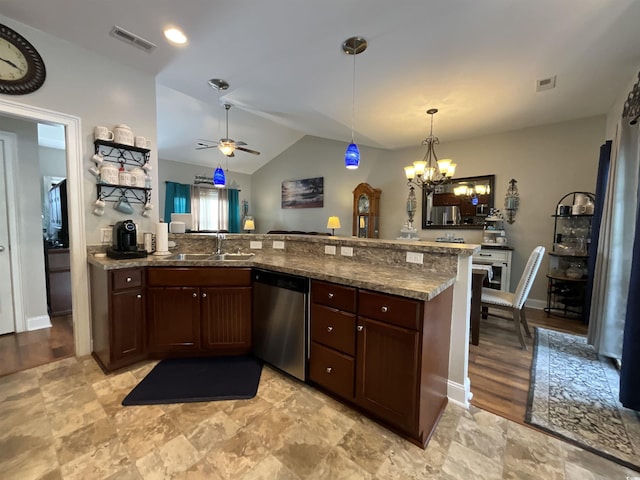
249,224
333,223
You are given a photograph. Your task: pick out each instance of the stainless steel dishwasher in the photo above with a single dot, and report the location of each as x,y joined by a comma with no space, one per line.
280,321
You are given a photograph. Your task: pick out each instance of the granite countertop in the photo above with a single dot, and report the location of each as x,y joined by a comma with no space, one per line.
393,280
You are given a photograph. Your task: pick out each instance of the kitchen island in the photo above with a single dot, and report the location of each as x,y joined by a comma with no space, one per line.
398,313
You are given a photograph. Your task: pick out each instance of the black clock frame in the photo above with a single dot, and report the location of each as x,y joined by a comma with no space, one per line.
36,72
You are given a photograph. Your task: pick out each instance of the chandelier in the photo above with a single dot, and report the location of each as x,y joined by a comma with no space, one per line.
430,172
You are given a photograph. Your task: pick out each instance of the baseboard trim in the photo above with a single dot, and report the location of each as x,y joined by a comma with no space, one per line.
36,323
458,394
536,304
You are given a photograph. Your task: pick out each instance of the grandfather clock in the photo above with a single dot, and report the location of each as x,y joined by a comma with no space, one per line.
366,211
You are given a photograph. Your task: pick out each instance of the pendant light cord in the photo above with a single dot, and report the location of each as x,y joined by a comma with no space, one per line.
353,97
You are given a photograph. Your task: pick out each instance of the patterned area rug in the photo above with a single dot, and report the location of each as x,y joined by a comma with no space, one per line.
573,394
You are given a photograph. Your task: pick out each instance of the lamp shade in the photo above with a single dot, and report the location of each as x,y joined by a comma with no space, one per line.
249,224
352,157
333,222
218,178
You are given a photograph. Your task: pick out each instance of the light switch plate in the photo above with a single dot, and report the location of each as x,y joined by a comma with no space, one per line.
106,235
414,257
330,249
255,244
346,251
278,244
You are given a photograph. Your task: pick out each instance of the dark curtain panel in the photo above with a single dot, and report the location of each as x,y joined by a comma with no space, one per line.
234,211
177,199
630,372
601,185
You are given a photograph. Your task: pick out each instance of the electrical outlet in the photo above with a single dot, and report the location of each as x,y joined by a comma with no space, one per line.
346,251
414,257
106,235
278,244
330,249
255,244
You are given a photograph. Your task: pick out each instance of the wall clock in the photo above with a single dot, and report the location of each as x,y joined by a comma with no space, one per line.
21,67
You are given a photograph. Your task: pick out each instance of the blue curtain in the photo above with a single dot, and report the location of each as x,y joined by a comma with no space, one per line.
601,185
177,199
234,211
630,371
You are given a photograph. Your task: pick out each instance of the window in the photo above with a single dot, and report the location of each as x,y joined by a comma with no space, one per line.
209,207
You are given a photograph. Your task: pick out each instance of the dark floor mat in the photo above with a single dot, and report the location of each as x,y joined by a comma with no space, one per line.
182,380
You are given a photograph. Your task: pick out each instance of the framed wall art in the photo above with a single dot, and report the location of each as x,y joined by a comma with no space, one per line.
305,193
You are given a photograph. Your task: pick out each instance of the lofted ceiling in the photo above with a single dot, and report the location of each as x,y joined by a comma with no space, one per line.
476,61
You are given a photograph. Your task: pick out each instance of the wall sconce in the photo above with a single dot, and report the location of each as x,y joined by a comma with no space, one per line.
512,201
333,223
249,224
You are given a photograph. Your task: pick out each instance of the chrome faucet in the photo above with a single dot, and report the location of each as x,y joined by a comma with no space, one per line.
219,238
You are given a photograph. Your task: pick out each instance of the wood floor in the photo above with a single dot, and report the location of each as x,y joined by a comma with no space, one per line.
19,351
499,370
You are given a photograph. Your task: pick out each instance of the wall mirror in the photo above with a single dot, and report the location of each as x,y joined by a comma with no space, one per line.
462,203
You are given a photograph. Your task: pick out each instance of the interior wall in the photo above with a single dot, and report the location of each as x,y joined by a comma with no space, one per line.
29,211
169,171
547,162
100,92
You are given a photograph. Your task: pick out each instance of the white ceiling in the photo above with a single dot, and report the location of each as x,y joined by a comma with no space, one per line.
477,61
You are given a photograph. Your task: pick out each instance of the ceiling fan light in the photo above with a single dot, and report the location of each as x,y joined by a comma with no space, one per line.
226,148
219,180
352,157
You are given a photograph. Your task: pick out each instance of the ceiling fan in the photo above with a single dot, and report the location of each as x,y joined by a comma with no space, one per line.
226,145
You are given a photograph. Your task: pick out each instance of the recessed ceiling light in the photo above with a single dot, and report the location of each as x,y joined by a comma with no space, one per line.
175,35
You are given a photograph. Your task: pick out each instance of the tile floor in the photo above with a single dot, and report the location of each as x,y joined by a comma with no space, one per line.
64,420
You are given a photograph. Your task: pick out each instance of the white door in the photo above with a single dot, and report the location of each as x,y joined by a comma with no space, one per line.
7,324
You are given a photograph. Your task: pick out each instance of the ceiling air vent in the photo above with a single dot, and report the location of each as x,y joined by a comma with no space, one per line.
546,84
133,39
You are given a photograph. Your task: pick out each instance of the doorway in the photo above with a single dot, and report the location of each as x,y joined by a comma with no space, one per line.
77,242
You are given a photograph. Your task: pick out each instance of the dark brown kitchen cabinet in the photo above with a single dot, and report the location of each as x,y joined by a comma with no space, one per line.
117,316
58,267
387,355
387,371
226,319
173,319
199,311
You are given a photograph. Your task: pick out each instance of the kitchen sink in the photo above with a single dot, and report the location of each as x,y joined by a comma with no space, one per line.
232,256
209,256
189,256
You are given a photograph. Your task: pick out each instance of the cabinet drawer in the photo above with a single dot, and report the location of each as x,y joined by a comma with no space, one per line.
332,370
333,328
199,277
491,255
404,312
332,295
128,278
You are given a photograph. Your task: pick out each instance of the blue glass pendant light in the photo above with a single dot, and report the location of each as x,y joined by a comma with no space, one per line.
352,157
218,178
353,46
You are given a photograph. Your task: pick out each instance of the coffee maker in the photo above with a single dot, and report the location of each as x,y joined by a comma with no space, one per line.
124,241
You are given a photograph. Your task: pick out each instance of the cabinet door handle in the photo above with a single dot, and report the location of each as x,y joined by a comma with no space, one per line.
129,279
484,254
384,309
328,369
360,328
139,295
204,295
330,295
329,329
195,294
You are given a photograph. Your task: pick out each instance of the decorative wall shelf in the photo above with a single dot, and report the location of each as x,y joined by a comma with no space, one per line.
126,155
113,193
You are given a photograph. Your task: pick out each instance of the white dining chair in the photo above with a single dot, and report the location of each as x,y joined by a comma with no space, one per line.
514,302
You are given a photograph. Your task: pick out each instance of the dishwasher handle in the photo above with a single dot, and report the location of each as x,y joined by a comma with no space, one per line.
282,280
